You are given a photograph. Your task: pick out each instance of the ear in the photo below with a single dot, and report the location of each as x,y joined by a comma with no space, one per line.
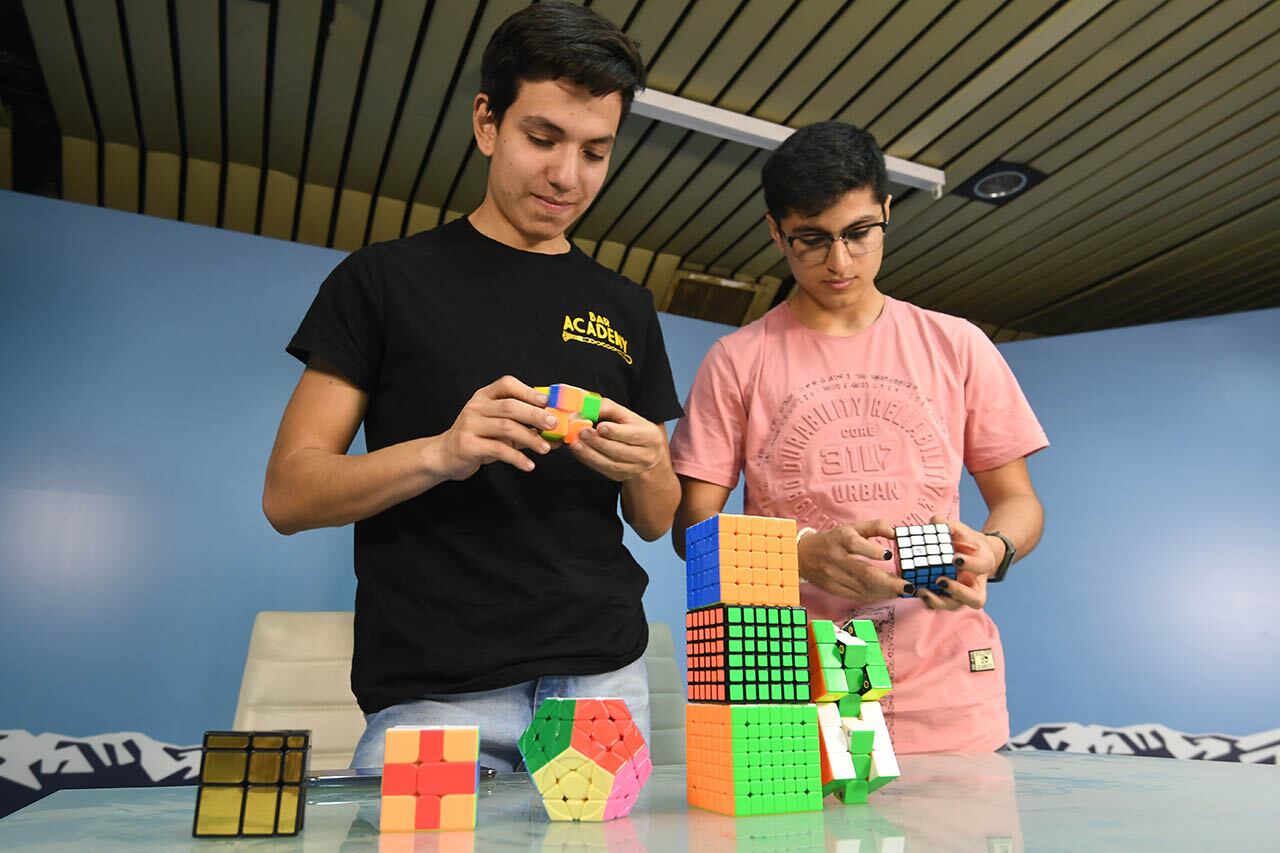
484,124
776,233
887,203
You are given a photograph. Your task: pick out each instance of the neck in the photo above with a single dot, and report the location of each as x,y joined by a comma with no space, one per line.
489,221
843,321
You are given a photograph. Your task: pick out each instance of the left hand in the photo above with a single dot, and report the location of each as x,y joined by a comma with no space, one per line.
623,445
977,556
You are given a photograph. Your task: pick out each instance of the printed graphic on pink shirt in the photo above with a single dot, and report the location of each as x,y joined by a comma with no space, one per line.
841,448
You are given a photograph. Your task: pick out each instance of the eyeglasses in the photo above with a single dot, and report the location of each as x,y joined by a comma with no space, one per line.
813,248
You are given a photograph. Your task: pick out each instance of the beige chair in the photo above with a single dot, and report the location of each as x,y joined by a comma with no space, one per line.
298,675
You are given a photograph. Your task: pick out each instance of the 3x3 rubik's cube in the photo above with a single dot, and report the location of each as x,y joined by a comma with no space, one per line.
252,783
782,711
430,778
574,409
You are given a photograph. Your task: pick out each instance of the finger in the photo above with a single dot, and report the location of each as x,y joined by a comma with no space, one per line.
639,434
509,386
933,601
618,451
594,459
611,410
513,409
874,579
966,595
512,434
853,542
876,527
496,451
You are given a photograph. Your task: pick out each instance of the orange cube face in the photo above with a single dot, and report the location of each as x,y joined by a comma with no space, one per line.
727,555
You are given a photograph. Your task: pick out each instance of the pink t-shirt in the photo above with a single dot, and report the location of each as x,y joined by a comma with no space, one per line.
874,425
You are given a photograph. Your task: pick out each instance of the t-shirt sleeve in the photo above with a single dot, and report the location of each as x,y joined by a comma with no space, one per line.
999,423
708,442
344,323
653,394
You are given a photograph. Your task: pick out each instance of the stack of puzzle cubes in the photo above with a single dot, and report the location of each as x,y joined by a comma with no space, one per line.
765,730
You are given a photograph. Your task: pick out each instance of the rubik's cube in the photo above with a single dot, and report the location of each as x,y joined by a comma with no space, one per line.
848,668
574,409
742,559
430,777
753,759
847,662
925,555
252,783
747,654
586,757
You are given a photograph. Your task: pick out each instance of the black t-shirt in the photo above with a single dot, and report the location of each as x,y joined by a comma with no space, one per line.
506,576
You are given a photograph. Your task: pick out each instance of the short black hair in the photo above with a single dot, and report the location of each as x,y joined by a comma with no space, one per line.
554,40
818,164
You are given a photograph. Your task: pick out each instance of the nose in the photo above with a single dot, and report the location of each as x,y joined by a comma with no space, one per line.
838,258
562,170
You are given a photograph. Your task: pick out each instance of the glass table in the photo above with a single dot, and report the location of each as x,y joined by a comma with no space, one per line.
993,803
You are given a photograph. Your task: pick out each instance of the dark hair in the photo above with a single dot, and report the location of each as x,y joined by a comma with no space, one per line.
552,40
818,164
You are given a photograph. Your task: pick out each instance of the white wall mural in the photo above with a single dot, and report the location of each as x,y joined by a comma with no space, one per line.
1151,740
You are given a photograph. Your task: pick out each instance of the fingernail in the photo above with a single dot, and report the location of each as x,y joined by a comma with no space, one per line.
959,562
942,582
603,429
909,589
587,433
544,447
549,420
541,398
887,554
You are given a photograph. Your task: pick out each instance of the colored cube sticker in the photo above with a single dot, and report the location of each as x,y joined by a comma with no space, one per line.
742,559
252,783
925,555
430,778
574,409
857,754
753,759
748,654
586,757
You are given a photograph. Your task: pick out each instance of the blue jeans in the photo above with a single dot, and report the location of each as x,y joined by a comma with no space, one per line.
505,713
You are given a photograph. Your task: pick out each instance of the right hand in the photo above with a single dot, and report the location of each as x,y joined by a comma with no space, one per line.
846,562
497,423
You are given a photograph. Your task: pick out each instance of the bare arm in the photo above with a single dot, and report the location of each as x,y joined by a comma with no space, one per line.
1014,510
699,500
1012,507
649,500
312,482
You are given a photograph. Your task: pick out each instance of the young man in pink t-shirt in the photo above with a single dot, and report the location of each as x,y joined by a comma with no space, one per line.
853,413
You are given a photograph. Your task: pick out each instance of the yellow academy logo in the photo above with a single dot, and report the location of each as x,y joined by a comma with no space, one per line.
595,329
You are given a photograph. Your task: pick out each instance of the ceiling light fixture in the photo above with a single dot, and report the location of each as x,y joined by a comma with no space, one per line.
1000,182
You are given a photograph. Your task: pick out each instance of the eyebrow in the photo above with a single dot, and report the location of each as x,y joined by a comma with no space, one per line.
546,125
868,219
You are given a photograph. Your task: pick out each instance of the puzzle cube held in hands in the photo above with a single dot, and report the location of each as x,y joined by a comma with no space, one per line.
925,555
742,559
574,409
430,778
252,783
586,757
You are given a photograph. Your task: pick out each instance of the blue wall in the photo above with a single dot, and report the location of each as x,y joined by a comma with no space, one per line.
144,375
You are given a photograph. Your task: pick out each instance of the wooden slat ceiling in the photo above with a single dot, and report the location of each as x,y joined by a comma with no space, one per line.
340,123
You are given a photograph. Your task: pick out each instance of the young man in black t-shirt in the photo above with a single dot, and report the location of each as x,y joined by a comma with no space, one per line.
490,565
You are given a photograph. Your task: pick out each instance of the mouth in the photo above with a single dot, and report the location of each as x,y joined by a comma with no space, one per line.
837,283
553,205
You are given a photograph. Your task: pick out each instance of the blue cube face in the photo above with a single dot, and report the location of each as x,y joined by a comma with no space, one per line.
925,554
